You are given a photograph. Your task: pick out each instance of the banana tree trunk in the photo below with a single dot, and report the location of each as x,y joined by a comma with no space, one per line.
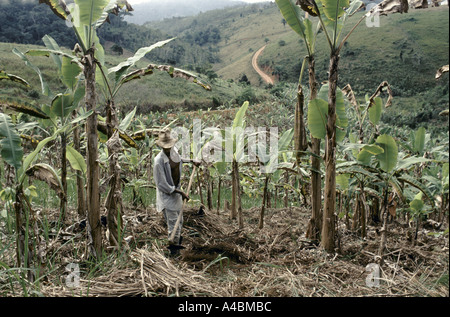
209,191
328,222
63,199
93,193
263,207
81,200
25,238
113,202
385,223
218,193
238,202
234,177
300,142
315,224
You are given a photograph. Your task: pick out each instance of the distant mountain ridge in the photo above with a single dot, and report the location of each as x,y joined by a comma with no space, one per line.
157,10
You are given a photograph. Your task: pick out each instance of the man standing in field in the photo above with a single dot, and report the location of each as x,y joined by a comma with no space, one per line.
167,172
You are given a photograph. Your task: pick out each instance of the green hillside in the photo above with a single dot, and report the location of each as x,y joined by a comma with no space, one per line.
158,92
406,50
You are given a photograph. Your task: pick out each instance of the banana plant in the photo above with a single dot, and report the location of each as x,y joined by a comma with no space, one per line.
110,82
303,26
374,153
60,111
332,15
11,148
274,166
85,17
15,194
438,183
235,135
12,153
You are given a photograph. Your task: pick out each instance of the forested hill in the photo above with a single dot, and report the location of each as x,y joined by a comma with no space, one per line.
157,10
26,22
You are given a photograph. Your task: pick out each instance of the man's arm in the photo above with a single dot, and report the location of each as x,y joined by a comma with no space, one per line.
195,162
160,179
183,194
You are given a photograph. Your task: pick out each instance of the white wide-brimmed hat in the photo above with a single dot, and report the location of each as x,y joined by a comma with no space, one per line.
165,140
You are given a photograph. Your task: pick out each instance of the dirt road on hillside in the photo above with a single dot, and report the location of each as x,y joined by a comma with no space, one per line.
264,76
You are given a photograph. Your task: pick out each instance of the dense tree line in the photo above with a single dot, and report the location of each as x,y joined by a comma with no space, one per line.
27,22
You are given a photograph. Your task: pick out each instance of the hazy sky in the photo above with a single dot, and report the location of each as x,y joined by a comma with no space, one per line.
249,1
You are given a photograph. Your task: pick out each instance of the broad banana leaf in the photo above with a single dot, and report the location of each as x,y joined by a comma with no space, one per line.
419,140
367,151
44,86
125,123
342,180
50,52
76,160
32,156
70,72
317,118
292,13
318,112
417,184
375,110
62,105
239,120
120,70
91,10
11,149
387,159
405,163
334,9
417,203
51,44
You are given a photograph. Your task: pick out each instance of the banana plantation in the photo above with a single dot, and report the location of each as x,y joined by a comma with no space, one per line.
308,193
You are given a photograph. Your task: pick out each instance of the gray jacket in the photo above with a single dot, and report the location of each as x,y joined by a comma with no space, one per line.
162,176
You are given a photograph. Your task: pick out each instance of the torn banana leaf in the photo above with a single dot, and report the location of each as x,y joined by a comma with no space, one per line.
173,72
34,142
386,85
58,7
140,135
389,6
125,137
309,6
23,107
47,174
14,78
441,71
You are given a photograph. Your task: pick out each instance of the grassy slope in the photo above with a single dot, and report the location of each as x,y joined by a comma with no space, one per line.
371,56
156,92
243,32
